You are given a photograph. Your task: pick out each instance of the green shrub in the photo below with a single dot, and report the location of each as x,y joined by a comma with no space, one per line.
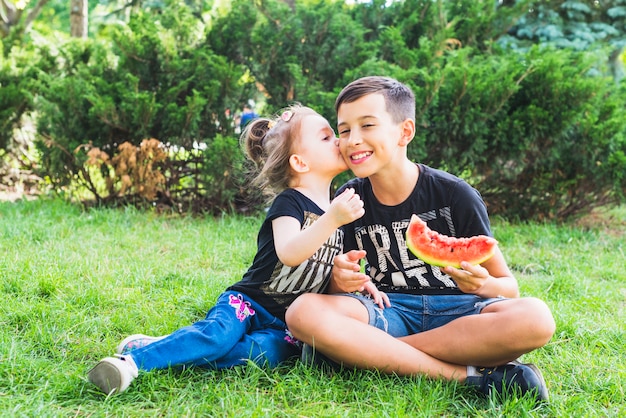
536,133
18,67
156,79
539,131
213,180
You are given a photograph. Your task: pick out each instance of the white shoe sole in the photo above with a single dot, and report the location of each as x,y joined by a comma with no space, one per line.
109,376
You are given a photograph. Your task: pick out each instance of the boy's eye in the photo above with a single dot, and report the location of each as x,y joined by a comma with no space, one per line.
344,132
368,125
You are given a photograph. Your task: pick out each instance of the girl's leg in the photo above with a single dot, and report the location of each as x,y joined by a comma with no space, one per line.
207,340
267,347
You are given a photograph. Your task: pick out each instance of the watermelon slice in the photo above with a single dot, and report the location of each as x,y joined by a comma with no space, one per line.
441,250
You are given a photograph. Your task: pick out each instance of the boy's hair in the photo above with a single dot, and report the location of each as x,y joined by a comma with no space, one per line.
399,98
269,144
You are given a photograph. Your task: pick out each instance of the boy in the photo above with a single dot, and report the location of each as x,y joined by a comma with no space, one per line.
465,324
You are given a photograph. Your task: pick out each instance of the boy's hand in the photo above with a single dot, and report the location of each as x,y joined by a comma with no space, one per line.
347,278
470,278
346,274
346,207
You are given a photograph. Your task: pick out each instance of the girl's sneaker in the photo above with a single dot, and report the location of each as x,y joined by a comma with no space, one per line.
134,342
113,374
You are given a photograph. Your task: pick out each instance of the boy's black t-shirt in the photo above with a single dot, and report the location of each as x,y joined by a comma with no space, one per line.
445,202
271,283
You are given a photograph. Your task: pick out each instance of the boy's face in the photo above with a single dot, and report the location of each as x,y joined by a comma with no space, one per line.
369,140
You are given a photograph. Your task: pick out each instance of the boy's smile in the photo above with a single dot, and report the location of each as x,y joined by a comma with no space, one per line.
361,156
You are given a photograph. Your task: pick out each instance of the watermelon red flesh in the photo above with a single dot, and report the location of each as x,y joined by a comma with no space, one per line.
441,250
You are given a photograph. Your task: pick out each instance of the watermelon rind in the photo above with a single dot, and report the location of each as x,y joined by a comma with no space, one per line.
441,250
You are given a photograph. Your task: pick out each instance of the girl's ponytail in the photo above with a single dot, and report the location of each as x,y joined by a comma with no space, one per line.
253,137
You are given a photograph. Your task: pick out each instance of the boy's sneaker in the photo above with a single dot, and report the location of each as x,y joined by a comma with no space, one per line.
510,377
134,342
113,374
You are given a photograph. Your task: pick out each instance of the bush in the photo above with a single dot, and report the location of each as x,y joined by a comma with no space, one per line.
156,80
536,133
18,67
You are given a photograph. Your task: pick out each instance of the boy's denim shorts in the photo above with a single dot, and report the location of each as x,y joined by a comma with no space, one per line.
411,314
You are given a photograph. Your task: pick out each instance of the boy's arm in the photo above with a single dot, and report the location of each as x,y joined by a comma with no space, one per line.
491,279
294,245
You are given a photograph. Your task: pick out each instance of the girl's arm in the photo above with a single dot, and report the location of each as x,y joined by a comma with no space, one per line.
294,245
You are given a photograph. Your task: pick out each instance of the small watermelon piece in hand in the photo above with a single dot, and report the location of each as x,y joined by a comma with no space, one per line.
441,250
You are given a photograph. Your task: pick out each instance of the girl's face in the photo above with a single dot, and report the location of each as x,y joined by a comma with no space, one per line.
319,146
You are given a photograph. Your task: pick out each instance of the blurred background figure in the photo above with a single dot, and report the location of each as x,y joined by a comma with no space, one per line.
247,115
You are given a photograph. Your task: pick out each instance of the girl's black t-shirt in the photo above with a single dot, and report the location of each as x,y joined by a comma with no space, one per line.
271,283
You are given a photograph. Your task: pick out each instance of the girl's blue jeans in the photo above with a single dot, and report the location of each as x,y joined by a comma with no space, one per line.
235,330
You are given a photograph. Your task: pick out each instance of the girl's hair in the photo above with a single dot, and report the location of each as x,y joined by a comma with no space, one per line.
269,143
399,98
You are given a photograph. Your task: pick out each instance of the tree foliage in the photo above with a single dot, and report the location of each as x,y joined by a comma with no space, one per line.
522,98
579,25
154,81
18,16
572,24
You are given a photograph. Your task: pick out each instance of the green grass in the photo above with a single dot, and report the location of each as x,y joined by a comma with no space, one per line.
74,283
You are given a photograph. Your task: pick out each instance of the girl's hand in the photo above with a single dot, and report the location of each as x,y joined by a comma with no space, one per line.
346,207
380,298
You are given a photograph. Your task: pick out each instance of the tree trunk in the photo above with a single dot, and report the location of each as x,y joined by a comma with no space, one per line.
78,18
616,64
10,16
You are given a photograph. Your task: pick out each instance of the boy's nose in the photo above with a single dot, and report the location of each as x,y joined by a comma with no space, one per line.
354,138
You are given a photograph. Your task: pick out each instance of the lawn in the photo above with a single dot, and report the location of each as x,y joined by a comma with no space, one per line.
74,283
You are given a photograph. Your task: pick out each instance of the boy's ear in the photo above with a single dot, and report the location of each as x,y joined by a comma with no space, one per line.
408,132
298,164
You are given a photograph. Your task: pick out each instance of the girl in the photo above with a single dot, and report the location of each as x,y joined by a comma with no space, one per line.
297,156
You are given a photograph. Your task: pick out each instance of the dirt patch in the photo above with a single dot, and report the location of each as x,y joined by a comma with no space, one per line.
16,184
12,196
611,221
9,196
